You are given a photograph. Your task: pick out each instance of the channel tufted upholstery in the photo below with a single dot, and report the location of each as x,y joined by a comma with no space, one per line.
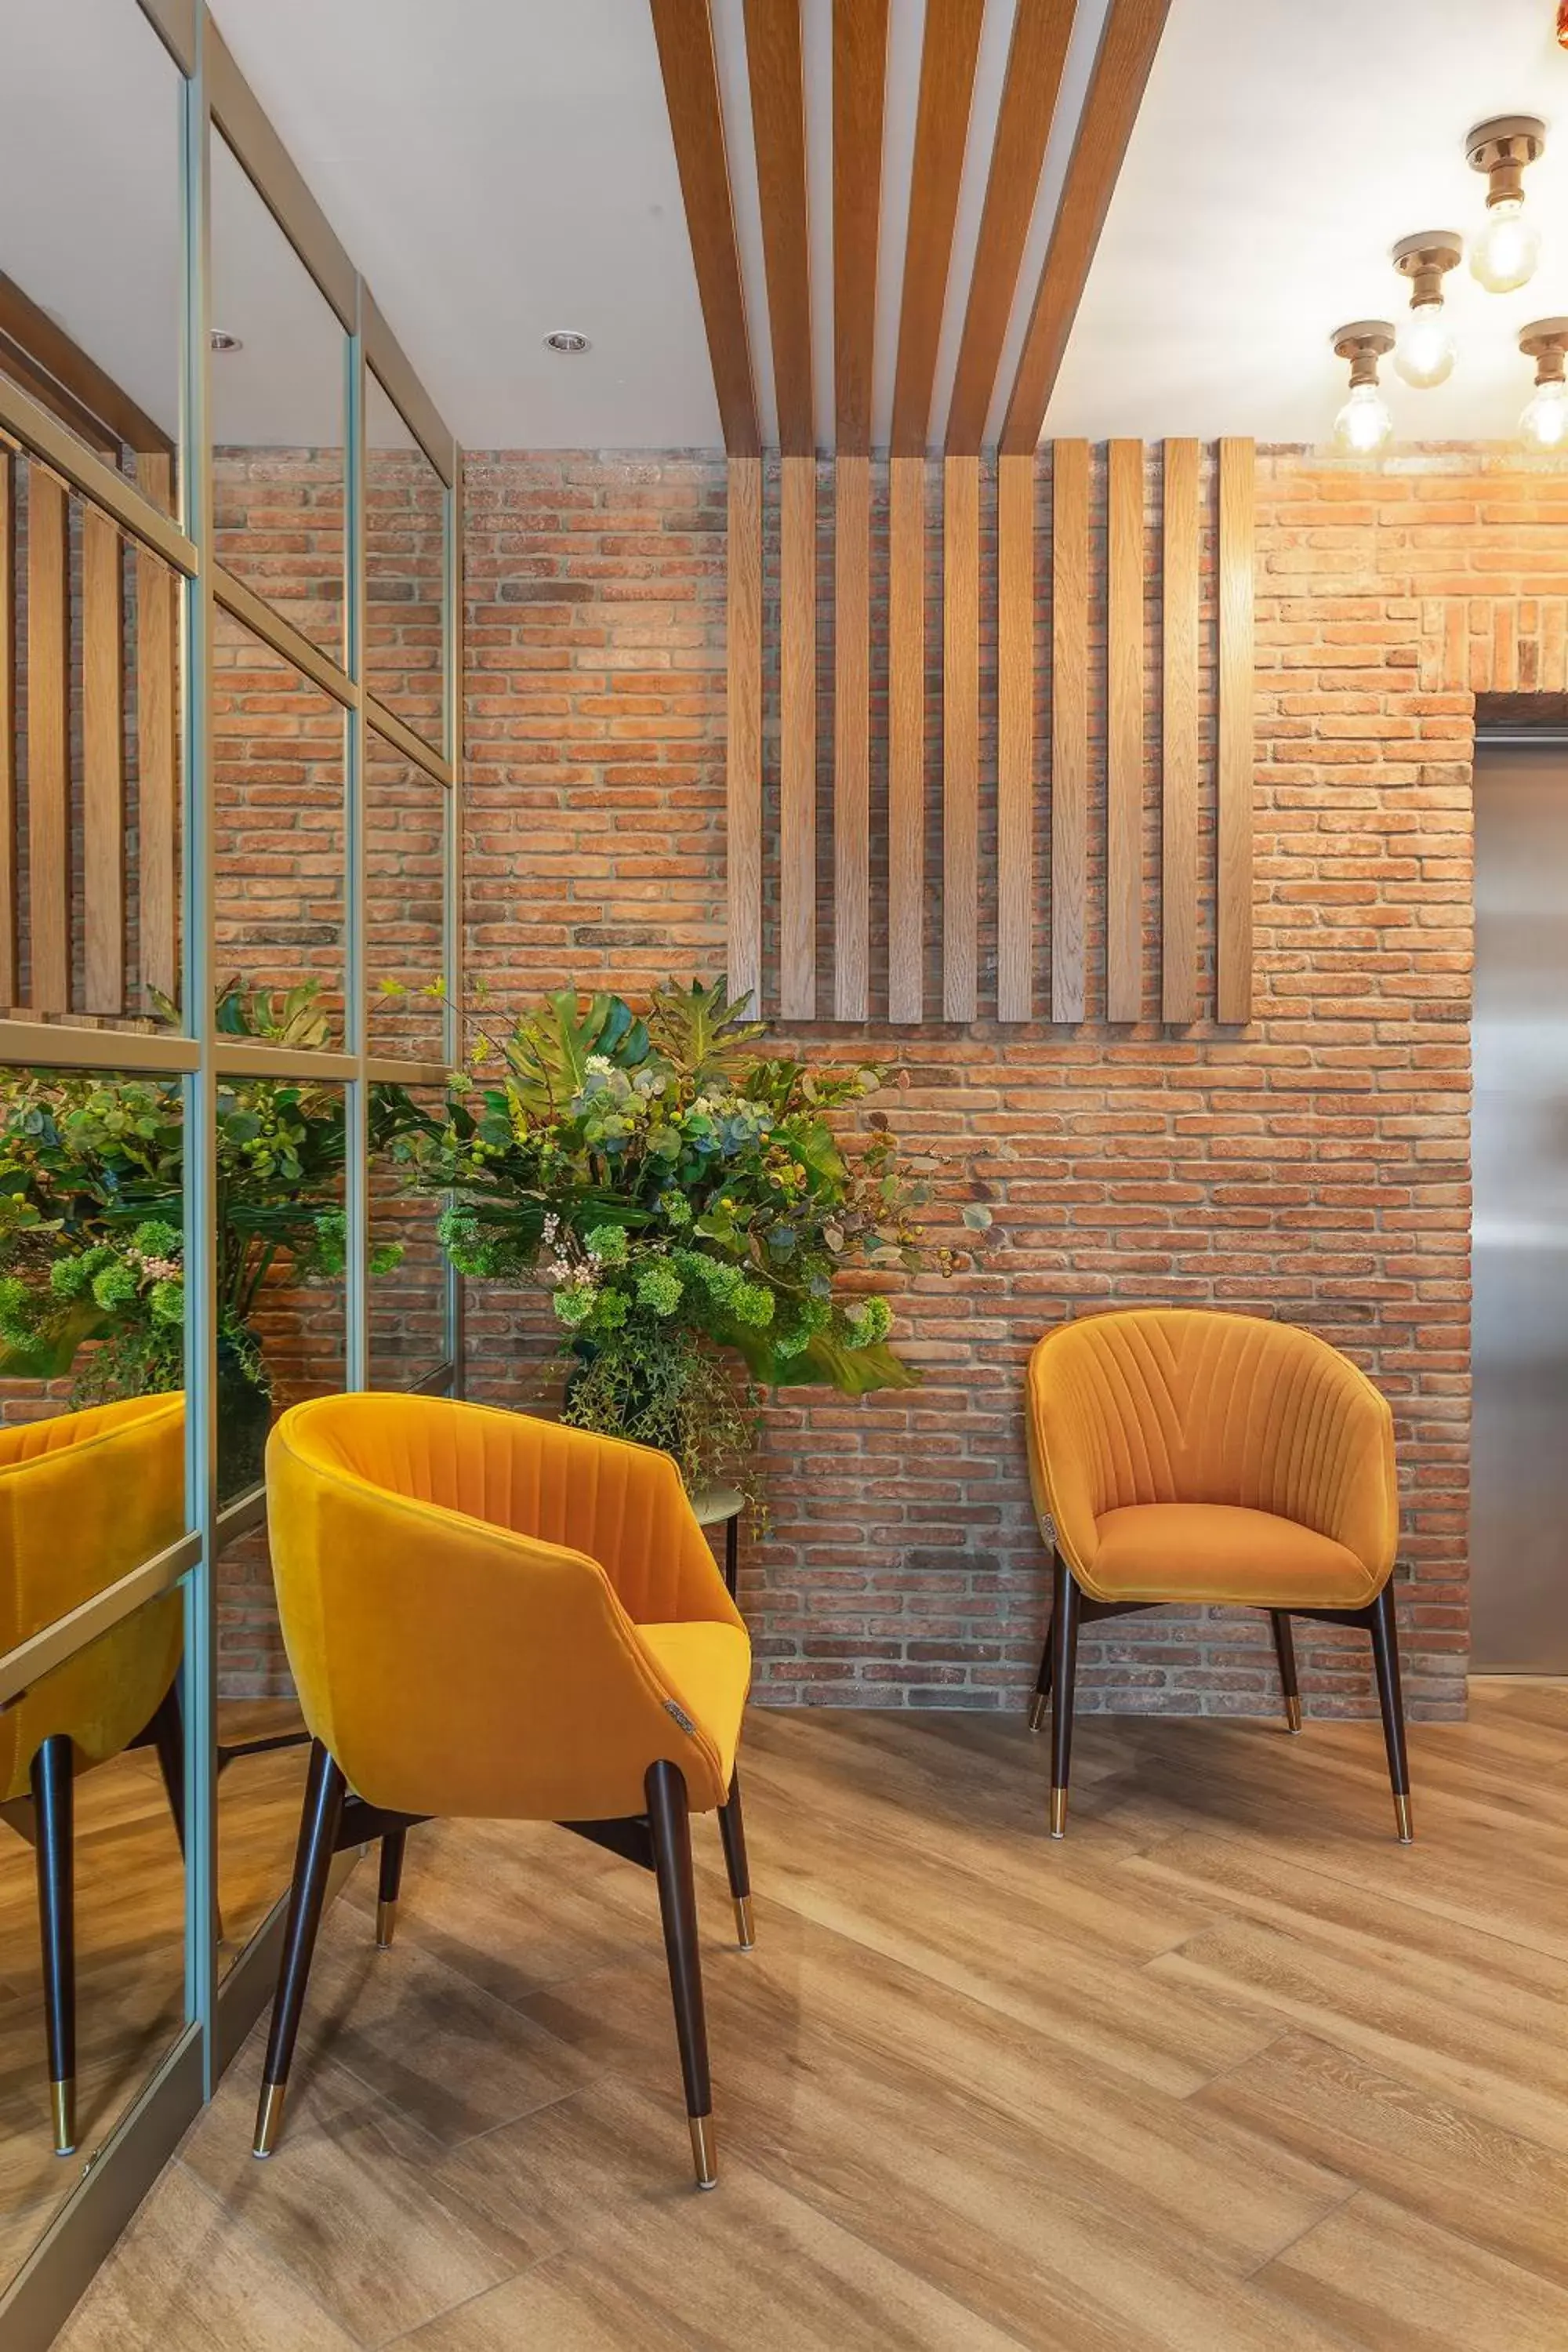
1182,1454
488,1614
84,1498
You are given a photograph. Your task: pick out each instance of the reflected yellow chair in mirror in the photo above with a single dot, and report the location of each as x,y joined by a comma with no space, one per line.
1178,1454
84,1498
489,1616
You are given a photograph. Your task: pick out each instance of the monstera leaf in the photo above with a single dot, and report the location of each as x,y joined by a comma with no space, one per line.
853,1372
548,1054
703,1030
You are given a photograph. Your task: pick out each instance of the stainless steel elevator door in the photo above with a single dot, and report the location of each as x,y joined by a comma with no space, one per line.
1518,1505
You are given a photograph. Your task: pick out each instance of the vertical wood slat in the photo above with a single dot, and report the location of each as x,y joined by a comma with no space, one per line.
7,734
797,738
959,737
103,764
851,737
1124,731
1179,588
49,741
743,731
1014,736
905,738
157,773
1070,725
1235,813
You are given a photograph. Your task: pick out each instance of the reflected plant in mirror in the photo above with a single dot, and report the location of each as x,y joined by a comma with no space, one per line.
692,1205
91,1241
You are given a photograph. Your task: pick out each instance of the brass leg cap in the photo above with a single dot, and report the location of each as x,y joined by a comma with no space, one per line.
269,2118
62,2102
704,2151
1292,1715
1402,1816
1059,1813
745,1934
385,1924
1037,1707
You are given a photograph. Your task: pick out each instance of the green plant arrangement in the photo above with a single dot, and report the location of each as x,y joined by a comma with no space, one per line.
686,1203
91,1244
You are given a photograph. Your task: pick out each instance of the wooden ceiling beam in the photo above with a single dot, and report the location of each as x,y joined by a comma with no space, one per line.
778,127
941,126
683,30
860,88
81,378
1127,50
1041,30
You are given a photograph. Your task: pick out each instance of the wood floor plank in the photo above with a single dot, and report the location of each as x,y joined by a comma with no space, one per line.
1392,2283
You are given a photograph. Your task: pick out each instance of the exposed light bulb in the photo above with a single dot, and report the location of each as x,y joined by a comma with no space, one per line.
1505,254
1544,424
1364,425
1424,351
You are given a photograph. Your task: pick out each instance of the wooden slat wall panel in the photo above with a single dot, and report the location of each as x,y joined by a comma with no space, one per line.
49,741
778,127
157,769
949,45
852,738
8,733
959,737
797,738
1233,913
1015,737
103,764
906,739
743,730
1070,727
859,83
1180,568
1124,732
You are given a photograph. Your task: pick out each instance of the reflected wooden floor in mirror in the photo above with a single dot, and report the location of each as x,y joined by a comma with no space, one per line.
1228,2068
129,1935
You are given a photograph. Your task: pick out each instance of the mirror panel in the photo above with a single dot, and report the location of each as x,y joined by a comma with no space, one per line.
91,109
277,401
406,1296
113,1712
405,570
405,885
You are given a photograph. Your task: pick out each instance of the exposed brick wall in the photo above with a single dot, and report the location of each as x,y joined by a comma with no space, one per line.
1315,1166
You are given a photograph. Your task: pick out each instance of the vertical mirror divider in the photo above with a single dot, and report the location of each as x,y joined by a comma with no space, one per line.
356,1108
452,878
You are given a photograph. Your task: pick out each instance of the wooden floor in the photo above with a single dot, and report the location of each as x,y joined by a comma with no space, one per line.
1227,2071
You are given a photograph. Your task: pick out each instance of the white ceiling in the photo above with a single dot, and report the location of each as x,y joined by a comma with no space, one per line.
500,168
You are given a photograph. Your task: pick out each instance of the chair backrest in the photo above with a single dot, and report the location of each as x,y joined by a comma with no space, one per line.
459,1590
84,1498
1187,1405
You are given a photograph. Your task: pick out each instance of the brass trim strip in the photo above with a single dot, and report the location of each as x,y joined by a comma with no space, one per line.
237,1518
174,22
264,621
397,732
385,354
47,440
55,1045
242,1057
276,176
387,1070
31,1659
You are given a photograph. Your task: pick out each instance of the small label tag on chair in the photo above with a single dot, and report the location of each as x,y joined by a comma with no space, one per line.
681,1717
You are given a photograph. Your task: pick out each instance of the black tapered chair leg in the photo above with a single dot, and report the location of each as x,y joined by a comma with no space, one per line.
319,1823
387,1887
54,1808
670,1820
167,1731
732,1836
1285,1650
1385,1658
1039,1704
1066,1603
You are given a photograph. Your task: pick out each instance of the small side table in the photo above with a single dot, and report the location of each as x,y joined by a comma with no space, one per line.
723,1506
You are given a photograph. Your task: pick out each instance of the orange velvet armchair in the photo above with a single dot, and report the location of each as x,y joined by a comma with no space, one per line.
488,1615
84,1498
1182,1456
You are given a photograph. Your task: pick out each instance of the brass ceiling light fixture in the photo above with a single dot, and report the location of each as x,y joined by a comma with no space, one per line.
1424,347
1364,425
1505,254
1544,427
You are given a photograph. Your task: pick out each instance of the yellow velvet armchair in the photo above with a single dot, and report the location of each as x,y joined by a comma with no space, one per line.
490,1616
1177,1455
84,1498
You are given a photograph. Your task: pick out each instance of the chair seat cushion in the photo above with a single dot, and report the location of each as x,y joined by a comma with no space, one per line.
1220,1552
708,1670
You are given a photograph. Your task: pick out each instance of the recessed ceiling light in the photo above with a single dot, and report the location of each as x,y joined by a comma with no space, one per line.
567,339
221,340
